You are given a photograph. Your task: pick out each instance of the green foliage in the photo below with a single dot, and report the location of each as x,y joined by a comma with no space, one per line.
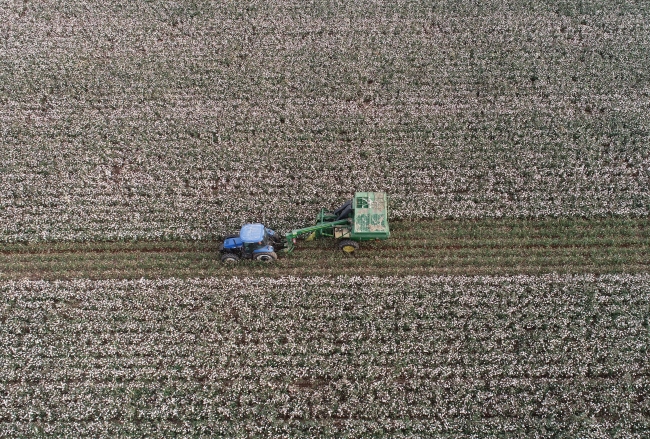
468,247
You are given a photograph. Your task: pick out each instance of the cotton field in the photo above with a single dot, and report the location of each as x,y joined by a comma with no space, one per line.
186,119
410,356
181,120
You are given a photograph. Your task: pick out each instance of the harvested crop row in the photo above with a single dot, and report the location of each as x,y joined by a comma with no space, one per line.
509,246
531,355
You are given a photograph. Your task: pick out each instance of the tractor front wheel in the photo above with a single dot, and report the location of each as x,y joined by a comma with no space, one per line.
348,246
229,258
266,257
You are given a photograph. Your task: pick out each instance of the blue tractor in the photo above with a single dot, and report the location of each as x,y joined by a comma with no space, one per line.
254,242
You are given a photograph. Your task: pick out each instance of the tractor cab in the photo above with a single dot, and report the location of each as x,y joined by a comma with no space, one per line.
254,242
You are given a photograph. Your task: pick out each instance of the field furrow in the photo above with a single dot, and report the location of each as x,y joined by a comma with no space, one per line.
426,247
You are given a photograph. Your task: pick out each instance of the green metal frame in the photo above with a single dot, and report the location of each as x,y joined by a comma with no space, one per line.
369,221
370,216
323,229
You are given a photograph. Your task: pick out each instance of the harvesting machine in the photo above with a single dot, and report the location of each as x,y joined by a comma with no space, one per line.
363,218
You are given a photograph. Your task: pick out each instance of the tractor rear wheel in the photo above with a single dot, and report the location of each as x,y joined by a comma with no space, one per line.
229,258
348,246
266,257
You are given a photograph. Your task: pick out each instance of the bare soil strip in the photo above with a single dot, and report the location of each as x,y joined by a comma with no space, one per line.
511,246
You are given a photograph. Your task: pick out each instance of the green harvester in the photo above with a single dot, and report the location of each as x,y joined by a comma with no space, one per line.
363,218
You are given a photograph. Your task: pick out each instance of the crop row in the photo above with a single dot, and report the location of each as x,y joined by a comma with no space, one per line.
188,119
485,355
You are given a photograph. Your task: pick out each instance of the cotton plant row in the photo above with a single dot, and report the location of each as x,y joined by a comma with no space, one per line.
132,122
123,200
361,355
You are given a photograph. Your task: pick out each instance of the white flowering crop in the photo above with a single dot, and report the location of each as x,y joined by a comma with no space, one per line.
122,120
411,356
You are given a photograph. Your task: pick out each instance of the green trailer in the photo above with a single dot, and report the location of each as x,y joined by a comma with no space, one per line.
363,218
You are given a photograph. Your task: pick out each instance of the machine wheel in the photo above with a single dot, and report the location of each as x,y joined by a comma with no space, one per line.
229,258
266,257
348,246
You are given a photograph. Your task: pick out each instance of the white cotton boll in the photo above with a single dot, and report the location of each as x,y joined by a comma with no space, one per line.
382,349
188,124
